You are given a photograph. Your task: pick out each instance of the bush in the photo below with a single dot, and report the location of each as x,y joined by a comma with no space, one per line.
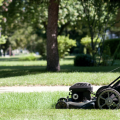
41,47
30,57
106,56
117,56
76,51
83,60
113,43
64,45
86,41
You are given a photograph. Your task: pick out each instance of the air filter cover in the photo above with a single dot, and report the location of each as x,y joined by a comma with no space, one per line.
81,87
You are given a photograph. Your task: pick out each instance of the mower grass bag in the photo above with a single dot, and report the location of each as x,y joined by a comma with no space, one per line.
80,97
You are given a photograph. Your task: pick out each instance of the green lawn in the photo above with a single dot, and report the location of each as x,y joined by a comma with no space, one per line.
41,106
14,72
53,114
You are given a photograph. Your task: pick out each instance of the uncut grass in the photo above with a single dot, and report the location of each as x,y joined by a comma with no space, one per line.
32,100
21,106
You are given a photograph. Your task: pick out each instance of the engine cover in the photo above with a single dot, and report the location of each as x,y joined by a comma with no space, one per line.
81,91
81,87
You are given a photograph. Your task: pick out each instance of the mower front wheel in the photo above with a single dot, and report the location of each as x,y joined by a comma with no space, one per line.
62,99
61,105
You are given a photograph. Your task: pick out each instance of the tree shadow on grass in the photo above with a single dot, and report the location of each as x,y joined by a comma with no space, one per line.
72,68
11,71
9,59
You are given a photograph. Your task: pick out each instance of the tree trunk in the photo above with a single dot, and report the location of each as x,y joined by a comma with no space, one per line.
4,52
52,47
0,51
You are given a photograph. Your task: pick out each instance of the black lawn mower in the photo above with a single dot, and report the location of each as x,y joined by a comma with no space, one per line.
106,97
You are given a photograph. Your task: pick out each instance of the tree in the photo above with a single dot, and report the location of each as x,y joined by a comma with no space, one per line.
30,13
24,11
5,46
30,39
52,46
98,16
3,41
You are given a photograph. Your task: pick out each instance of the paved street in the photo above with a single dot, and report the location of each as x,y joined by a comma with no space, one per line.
38,88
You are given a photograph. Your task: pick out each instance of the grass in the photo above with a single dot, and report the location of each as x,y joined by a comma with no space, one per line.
32,100
14,72
53,114
41,106
59,79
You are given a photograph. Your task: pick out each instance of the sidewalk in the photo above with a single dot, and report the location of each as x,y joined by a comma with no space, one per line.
38,88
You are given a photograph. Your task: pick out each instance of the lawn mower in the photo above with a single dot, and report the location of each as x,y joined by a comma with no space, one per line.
80,97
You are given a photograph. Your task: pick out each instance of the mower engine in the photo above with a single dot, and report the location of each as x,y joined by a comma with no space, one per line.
80,97
81,92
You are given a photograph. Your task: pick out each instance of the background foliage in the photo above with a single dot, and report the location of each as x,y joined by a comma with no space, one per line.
64,45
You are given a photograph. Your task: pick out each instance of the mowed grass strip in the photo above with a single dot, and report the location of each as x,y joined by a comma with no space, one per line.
65,79
53,114
25,73
41,106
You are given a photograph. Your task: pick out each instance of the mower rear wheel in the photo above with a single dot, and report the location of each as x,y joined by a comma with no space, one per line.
108,99
101,89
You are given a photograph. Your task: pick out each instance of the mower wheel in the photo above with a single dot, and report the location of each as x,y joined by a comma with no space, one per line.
108,99
61,105
101,89
62,99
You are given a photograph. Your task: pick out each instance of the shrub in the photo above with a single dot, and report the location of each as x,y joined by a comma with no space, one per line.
86,41
41,47
113,43
64,45
76,51
30,57
117,56
106,56
83,60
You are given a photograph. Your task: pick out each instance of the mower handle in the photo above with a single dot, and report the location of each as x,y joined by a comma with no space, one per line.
113,81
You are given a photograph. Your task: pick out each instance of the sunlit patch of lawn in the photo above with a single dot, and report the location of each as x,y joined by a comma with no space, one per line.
59,79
